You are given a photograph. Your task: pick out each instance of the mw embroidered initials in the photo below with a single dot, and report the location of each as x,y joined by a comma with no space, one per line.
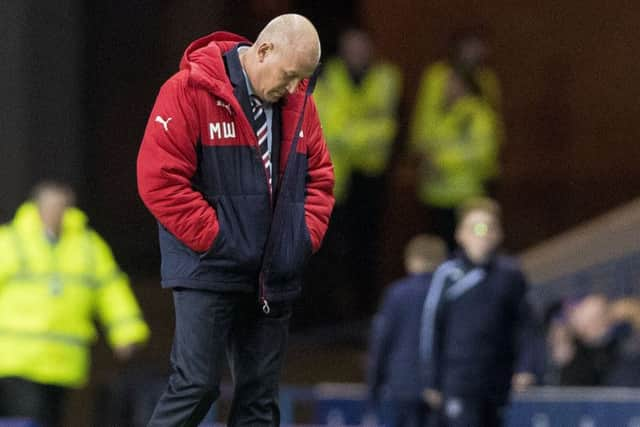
222,130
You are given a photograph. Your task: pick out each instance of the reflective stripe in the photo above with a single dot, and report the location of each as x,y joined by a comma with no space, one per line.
47,336
32,278
124,321
115,275
88,278
37,279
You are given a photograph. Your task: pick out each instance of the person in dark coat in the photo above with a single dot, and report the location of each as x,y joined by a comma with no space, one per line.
600,346
477,328
394,385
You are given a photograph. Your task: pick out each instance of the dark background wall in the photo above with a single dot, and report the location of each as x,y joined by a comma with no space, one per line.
569,77
42,84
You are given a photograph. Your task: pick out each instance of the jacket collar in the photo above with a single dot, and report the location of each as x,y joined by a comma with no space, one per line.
27,219
467,264
234,66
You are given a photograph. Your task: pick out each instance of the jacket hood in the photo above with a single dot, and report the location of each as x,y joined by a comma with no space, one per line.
27,219
203,58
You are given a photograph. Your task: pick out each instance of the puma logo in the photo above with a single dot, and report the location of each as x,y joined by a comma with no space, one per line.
224,105
164,123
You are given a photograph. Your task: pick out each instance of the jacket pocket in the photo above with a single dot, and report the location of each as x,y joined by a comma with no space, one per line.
292,248
178,261
242,229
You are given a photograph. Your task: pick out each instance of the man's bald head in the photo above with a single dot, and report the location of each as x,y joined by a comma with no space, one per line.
286,51
295,32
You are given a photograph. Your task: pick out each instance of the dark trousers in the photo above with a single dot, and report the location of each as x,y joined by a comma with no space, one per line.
208,324
471,412
20,398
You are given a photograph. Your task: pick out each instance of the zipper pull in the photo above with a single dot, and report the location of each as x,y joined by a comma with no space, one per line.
265,306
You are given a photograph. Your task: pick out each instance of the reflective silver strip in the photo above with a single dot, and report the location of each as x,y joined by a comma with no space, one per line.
32,278
124,321
46,336
88,278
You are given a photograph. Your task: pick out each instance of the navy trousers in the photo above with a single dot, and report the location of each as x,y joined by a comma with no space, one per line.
208,326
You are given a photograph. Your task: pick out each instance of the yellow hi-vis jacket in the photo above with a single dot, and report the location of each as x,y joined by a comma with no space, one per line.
358,120
459,143
49,294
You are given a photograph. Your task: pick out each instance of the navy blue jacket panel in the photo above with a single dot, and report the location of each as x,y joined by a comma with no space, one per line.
394,362
200,173
485,334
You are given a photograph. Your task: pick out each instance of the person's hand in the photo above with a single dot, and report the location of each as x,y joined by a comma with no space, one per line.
125,353
522,381
432,397
560,344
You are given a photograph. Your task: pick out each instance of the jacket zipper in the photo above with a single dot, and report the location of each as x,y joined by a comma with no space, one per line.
262,300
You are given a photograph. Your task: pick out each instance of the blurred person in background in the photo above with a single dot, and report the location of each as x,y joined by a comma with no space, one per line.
56,275
594,349
357,97
394,383
587,347
456,131
477,327
234,167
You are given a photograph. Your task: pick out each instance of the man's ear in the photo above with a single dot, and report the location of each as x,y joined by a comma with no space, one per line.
263,50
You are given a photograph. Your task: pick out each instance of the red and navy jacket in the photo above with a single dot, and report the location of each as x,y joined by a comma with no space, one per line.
201,175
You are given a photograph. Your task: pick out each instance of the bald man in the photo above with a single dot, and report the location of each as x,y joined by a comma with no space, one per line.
234,167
